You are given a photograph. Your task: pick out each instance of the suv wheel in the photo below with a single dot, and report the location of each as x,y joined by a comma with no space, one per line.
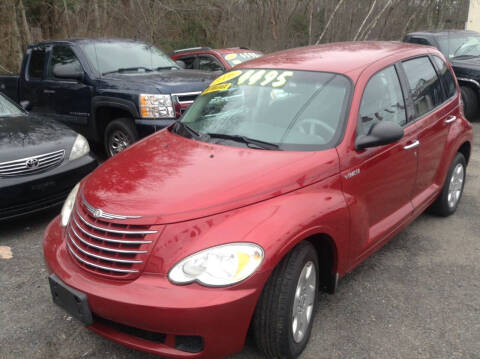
284,315
119,134
447,202
470,102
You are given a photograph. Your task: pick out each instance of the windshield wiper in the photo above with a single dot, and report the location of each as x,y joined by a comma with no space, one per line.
187,129
247,140
165,68
126,69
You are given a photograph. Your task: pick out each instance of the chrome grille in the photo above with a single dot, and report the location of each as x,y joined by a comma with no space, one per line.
107,248
186,98
31,165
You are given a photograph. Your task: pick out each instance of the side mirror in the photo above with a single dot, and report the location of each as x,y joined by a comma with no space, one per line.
70,71
26,105
382,133
181,63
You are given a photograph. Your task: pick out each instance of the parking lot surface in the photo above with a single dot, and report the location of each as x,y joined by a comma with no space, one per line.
418,297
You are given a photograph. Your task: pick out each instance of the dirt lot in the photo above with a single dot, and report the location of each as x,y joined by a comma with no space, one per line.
418,297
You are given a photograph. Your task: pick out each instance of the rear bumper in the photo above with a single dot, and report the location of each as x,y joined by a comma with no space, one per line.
147,127
29,194
123,310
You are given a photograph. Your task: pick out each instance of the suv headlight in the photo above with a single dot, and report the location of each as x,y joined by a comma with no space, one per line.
156,106
68,205
80,148
222,265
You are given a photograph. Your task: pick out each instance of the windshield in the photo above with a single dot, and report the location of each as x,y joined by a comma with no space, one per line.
455,46
294,110
235,58
7,108
108,57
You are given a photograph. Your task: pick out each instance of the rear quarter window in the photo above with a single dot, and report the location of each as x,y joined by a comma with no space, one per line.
445,76
424,84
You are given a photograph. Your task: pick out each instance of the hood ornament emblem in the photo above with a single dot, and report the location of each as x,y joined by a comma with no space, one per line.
32,163
98,213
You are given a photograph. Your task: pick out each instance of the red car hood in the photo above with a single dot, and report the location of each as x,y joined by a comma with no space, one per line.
167,178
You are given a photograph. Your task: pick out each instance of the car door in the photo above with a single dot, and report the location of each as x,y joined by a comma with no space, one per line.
71,97
378,182
32,84
434,112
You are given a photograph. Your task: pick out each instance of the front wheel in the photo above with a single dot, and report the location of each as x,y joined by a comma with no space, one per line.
119,134
447,202
284,315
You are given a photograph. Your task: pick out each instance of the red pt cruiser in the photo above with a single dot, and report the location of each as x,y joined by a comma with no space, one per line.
282,177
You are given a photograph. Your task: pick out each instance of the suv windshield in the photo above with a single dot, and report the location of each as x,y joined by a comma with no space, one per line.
456,46
287,110
235,58
7,108
108,57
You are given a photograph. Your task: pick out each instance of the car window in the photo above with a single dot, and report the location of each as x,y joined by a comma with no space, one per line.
424,84
297,110
37,64
235,58
209,63
446,76
382,101
64,56
189,62
419,40
7,108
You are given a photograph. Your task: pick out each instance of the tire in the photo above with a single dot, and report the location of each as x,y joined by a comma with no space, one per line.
273,319
470,102
119,134
449,198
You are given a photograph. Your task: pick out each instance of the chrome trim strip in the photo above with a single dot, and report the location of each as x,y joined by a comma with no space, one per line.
106,239
128,261
100,247
476,83
186,94
37,157
112,230
105,215
80,259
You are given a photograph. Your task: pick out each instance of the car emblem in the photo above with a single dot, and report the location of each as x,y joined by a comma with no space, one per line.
97,213
32,163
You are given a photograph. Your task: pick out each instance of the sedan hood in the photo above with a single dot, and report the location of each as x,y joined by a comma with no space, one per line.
165,81
167,178
30,135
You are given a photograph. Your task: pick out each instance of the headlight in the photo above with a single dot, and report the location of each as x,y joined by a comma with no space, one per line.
80,148
68,205
156,106
219,266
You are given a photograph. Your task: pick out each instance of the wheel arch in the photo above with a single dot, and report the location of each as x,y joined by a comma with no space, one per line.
465,149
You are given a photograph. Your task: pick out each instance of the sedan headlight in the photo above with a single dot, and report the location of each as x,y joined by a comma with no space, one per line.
156,106
80,148
219,266
68,205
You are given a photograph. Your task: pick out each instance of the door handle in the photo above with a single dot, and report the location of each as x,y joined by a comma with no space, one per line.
451,119
412,145
48,91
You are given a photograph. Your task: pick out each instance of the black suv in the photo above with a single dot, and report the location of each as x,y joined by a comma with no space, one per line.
462,48
113,90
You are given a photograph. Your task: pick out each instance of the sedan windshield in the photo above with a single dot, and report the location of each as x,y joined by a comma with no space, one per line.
271,109
109,57
460,46
8,109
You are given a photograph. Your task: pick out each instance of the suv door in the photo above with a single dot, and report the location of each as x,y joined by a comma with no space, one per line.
32,83
434,111
379,181
71,98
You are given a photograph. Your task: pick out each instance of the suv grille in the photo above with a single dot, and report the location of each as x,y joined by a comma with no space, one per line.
105,247
31,165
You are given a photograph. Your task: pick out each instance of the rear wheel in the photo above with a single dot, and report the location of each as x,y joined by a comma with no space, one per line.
447,202
119,134
284,315
470,102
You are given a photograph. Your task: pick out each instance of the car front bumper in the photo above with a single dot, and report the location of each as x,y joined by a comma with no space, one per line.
134,312
25,195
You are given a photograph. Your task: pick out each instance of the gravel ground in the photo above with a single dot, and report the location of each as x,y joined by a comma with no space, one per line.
418,297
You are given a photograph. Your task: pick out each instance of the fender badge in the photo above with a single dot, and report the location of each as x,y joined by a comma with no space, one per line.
351,174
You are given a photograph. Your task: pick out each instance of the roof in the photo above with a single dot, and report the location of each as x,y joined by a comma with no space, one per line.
77,40
340,57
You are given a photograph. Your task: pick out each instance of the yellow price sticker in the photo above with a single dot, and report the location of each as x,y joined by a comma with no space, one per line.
216,88
226,77
230,56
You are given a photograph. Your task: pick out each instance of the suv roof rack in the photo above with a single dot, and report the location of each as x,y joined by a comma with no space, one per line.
191,49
